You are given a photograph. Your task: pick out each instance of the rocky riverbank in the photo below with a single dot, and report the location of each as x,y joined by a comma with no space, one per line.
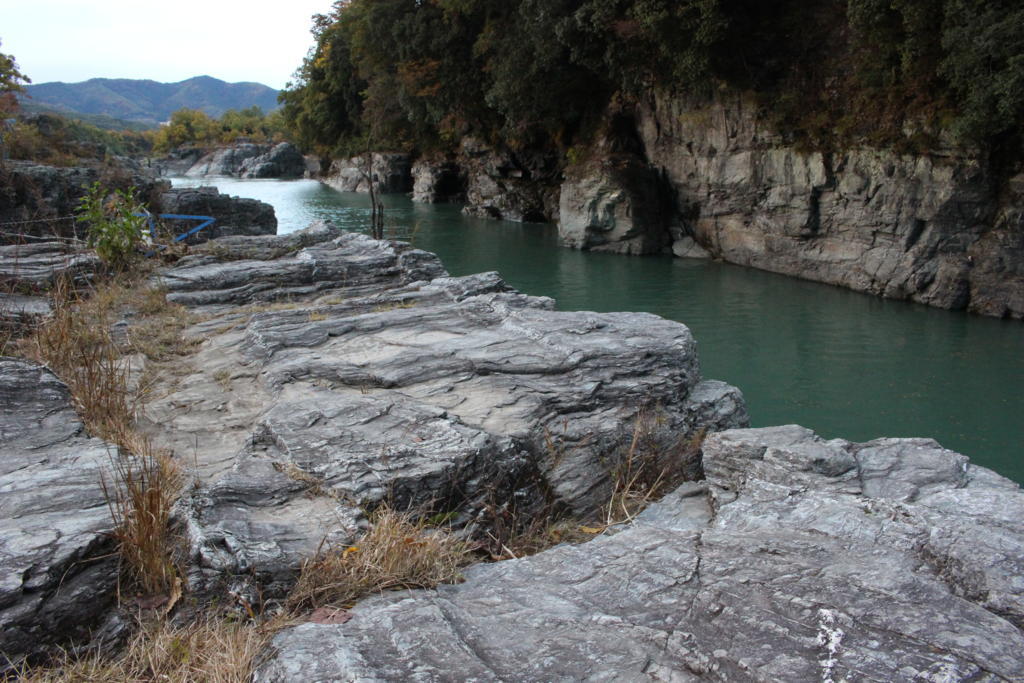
332,373
39,202
714,179
239,160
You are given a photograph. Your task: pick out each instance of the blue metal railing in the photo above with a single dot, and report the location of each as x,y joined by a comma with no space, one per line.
206,221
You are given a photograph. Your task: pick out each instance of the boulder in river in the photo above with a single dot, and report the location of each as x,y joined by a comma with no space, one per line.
283,160
235,215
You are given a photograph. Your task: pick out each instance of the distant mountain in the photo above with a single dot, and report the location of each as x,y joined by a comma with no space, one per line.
149,102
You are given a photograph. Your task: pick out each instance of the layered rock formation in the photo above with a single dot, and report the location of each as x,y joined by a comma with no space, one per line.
438,180
58,569
616,204
512,187
28,271
37,200
226,161
798,559
239,160
390,172
235,215
364,373
928,228
703,179
282,161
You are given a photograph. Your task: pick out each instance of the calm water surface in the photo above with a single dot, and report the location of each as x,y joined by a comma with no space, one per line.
842,363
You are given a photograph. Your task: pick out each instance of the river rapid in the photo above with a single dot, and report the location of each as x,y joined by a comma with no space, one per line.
842,363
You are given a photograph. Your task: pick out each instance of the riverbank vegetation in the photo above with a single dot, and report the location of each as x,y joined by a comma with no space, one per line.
191,127
413,74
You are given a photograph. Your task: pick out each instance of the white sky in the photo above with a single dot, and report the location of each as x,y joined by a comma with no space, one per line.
234,40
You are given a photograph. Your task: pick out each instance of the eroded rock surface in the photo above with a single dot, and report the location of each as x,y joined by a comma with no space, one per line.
616,205
58,574
513,187
361,372
799,559
226,161
930,228
283,160
235,215
390,171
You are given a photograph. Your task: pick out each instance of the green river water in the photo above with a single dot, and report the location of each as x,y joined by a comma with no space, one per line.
844,364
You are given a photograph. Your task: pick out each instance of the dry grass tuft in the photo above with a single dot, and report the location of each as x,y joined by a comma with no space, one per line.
651,467
397,552
141,492
213,650
77,345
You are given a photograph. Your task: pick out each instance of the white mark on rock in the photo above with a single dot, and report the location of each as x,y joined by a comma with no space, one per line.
830,637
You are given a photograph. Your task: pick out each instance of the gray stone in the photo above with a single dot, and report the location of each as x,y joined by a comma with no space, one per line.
40,201
687,247
373,376
793,562
235,215
437,180
35,266
58,573
929,228
615,205
226,161
282,161
20,312
391,173
508,186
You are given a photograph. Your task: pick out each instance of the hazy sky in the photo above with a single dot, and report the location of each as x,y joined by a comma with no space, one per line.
234,40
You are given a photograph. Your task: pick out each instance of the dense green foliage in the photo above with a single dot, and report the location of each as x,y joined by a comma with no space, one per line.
423,73
115,223
193,127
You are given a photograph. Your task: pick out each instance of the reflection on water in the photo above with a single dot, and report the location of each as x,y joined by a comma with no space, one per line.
842,363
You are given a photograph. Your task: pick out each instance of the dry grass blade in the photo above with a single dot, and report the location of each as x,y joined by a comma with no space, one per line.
77,345
651,466
141,493
397,552
211,650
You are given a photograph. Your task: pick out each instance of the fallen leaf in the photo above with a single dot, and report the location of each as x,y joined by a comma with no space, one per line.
592,529
329,615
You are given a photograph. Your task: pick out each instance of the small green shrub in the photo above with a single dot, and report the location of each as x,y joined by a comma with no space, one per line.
115,231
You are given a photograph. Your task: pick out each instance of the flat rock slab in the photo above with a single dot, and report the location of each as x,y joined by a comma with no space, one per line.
363,373
34,267
57,573
798,560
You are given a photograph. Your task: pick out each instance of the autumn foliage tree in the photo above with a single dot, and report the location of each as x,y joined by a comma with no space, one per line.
425,73
11,81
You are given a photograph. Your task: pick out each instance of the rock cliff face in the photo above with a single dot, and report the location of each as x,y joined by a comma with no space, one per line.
931,229
715,179
239,160
512,187
798,559
391,172
37,200
617,204
438,180
283,160
371,373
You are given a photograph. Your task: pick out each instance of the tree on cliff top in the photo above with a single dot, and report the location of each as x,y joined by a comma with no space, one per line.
11,81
